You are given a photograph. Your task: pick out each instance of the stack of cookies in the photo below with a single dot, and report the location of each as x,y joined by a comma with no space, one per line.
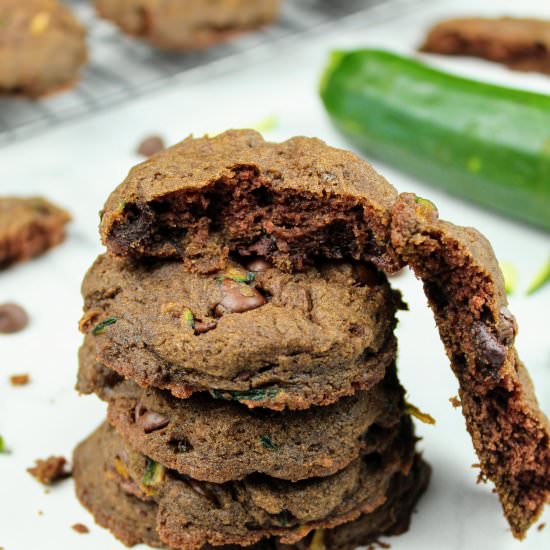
240,328
252,396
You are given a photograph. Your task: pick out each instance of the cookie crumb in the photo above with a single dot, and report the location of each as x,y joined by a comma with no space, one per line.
80,528
541,526
150,146
50,471
40,513
20,379
455,401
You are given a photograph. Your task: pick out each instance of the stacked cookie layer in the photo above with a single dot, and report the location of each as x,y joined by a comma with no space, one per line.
246,405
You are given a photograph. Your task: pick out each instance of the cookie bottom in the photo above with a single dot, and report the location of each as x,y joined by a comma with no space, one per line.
133,521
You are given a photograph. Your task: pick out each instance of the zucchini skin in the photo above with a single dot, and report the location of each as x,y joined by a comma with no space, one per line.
485,143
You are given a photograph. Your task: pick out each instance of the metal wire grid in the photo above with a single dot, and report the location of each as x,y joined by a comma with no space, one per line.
122,68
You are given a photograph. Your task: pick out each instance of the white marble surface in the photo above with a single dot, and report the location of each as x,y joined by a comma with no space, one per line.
78,166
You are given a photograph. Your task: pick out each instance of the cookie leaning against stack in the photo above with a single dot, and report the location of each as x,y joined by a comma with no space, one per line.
248,403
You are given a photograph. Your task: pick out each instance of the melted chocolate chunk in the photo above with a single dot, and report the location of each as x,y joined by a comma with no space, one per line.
491,351
238,298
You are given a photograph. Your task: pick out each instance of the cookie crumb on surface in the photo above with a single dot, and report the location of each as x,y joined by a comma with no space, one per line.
80,528
150,145
541,526
50,471
20,379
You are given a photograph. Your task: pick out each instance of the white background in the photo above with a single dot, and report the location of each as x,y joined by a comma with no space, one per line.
79,165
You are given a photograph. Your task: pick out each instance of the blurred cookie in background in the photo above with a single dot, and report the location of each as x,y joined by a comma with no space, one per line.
29,227
188,24
42,47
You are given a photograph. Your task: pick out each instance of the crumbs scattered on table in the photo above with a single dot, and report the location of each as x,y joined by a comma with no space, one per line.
51,470
150,146
541,526
13,318
80,528
20,379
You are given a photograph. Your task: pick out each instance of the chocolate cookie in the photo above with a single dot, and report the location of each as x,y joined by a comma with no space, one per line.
29,227
193,513
465,289
521,44
42,47
133,521
290,202
264,337
219,441
187,24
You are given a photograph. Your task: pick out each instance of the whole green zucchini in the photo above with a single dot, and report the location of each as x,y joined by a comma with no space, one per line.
483,142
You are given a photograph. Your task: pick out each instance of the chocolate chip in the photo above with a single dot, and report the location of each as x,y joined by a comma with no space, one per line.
508,327
238,298
150,421
151,146
13,318
201,489
490,350
204,326
258,265
366,275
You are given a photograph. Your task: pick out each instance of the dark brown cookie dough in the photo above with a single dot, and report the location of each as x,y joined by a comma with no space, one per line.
521,44
465,289
290,202
267,338
42,47
29,227
193,513
188,24
218,441
133,521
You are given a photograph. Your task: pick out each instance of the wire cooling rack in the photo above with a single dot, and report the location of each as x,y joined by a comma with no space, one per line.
122,68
